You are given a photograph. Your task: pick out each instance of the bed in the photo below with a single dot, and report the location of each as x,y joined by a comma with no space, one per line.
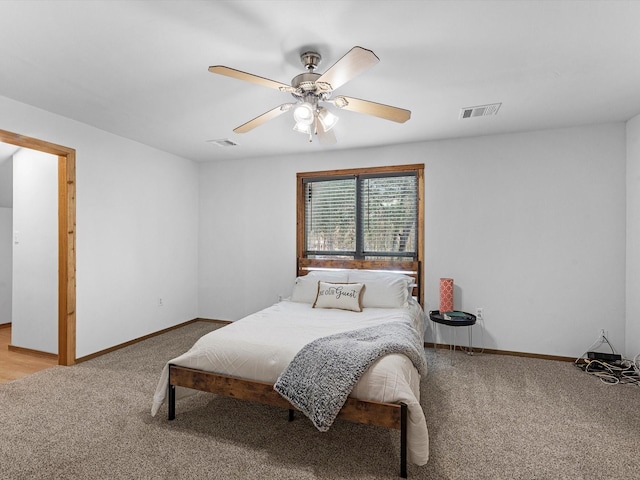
248,359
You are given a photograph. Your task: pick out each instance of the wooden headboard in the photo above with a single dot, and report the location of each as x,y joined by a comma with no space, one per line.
410,268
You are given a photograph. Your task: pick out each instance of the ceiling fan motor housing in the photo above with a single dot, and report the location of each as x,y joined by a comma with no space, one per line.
305,86
305,81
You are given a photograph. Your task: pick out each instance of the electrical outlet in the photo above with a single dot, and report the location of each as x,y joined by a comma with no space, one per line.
479,313
160,304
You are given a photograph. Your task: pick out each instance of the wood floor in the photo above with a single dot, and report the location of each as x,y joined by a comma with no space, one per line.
14,365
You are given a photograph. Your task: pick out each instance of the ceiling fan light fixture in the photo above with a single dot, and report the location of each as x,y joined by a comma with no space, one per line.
302,128
327,119
303,114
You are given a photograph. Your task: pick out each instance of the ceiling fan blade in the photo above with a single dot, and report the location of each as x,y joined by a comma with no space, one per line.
265,117
248,77
353,63
387,112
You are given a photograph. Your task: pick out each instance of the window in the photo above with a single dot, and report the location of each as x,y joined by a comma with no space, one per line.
363,214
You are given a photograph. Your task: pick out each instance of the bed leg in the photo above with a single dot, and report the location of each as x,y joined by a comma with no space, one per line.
403,440
171,401
291,414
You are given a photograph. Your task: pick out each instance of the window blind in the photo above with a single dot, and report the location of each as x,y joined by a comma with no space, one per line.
330,216
366,216
389,214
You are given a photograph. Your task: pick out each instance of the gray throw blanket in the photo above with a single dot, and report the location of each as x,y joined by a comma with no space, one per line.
320,377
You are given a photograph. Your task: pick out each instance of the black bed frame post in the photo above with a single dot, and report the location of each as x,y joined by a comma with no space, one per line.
403,440
171,415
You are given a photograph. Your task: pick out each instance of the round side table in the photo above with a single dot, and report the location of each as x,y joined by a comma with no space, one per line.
453,319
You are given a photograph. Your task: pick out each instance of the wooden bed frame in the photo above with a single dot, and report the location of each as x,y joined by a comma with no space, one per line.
389,415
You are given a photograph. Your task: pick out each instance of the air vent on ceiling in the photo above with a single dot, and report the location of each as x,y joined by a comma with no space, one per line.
480,110
225,142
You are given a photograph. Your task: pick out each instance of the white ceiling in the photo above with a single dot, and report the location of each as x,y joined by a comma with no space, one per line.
139,68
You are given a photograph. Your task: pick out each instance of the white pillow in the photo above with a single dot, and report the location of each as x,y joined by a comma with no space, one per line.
305,290
345,296
383,290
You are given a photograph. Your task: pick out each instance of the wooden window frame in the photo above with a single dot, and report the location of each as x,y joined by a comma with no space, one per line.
418,169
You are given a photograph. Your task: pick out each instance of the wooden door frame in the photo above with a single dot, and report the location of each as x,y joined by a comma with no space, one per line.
66,239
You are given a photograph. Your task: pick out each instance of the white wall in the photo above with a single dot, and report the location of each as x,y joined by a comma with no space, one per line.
35,251
247,235
531,227
6,177
633,238
541,229
137,227
6,263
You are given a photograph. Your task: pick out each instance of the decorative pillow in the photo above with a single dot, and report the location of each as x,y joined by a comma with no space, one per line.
345,296
384,290
305,290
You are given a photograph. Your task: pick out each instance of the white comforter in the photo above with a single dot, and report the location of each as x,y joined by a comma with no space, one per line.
261,345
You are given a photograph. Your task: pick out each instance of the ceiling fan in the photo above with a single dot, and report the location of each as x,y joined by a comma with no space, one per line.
311,90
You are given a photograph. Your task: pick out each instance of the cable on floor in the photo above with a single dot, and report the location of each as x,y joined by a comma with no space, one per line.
611,373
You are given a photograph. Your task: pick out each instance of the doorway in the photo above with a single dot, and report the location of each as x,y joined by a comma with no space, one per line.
66,239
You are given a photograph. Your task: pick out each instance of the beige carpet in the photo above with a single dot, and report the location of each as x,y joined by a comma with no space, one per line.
490,417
